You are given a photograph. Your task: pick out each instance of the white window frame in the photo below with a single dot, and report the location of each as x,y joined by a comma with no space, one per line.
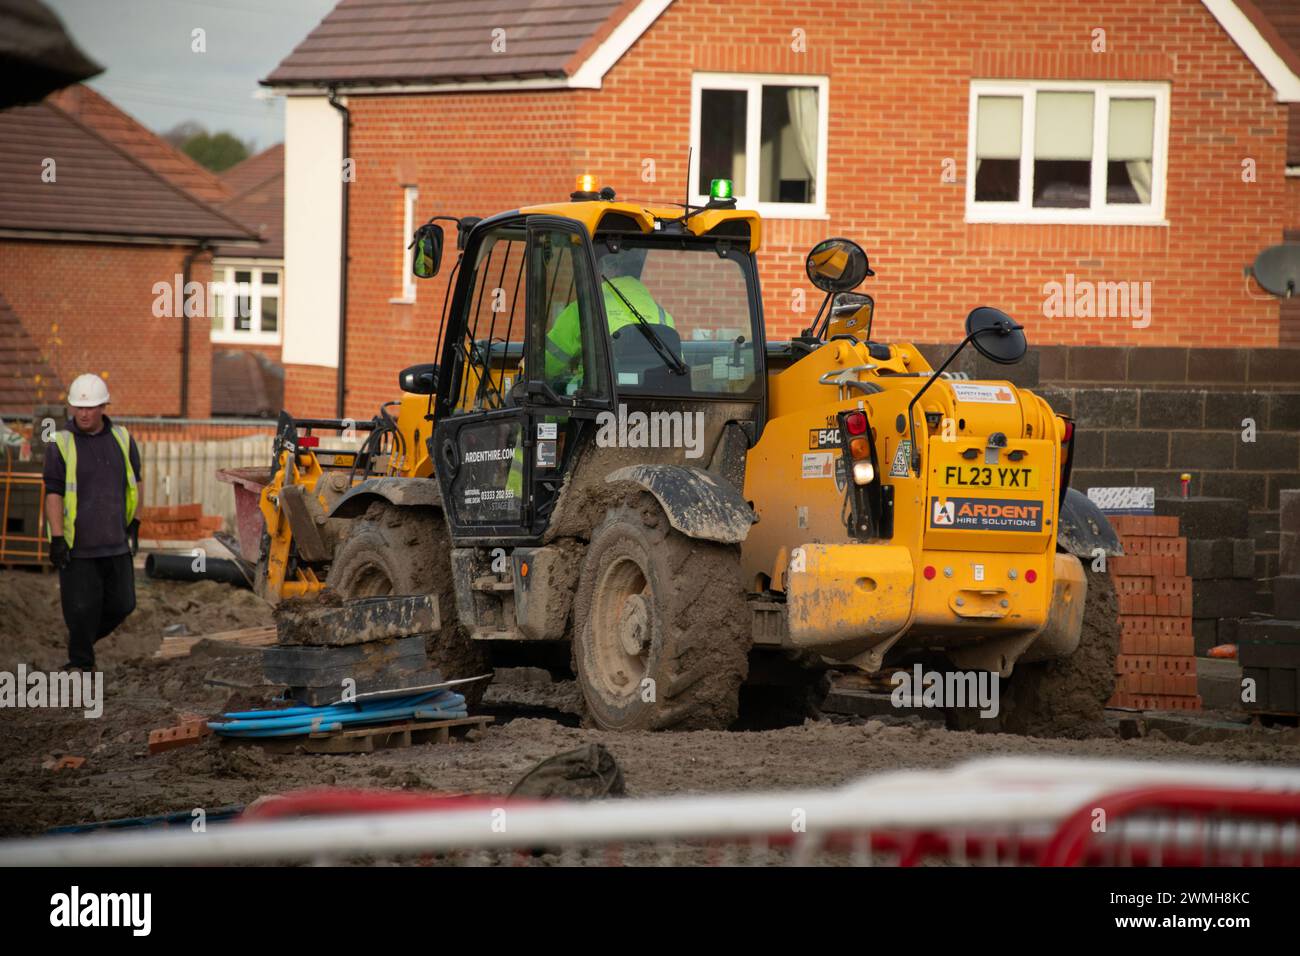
223,274
753,83
1101,212
410,202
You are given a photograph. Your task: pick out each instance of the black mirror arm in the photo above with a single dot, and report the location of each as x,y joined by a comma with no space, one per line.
911,417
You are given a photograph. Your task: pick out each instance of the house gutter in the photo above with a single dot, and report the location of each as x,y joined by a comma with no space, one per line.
343,256
186,267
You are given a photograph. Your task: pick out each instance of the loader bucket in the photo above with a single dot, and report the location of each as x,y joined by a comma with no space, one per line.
249,523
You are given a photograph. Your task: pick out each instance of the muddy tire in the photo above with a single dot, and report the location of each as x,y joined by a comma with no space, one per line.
661,627
391,550
1067,698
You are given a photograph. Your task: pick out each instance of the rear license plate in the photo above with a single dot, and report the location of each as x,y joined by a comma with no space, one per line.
1021,477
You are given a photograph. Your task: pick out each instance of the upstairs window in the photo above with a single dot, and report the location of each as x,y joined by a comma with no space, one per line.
767,134
410,197
246,303
1067,152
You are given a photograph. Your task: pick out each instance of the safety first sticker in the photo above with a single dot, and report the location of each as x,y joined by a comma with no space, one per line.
989,394
819,464
900,468
986,514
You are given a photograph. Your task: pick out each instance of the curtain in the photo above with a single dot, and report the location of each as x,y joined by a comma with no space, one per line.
1139,174
1130,141
802,104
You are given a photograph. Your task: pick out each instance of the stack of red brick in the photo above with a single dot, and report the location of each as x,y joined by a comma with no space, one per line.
178,523
1156,666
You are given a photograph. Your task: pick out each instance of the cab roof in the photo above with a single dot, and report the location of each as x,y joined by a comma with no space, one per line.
626,216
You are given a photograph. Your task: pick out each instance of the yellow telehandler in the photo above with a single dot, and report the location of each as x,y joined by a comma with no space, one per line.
610,470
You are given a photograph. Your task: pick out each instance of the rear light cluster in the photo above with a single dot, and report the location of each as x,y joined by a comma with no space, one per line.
855,426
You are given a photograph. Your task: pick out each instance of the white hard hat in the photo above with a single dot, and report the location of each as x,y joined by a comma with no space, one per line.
88,391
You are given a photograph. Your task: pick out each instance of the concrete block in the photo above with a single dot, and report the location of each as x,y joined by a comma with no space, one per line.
1201,517
1105,407
1286,597
1226,597
1137,449
1219,684
1160,408
1221,558
305,666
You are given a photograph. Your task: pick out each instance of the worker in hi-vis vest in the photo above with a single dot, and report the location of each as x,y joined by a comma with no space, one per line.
92,487
623,290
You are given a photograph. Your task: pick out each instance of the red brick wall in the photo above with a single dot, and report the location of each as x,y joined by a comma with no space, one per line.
89,308
310,390
899,101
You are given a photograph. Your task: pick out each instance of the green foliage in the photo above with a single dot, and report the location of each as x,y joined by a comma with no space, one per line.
217,151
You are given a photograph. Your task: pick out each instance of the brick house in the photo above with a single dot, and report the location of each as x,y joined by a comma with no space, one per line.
247,377
979,152
95,212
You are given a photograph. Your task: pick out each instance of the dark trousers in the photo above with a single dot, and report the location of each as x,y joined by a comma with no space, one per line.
98,594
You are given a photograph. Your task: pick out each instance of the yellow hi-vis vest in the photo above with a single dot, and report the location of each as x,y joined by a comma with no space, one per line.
564,341
67,445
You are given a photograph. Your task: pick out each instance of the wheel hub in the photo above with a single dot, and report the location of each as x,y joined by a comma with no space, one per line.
634,625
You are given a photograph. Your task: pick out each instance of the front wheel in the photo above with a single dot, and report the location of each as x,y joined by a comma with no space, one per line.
662,631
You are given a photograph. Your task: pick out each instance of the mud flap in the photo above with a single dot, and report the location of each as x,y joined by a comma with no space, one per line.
1082,528
402,492
697,504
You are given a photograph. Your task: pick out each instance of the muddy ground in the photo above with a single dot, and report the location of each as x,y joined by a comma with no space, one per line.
120,779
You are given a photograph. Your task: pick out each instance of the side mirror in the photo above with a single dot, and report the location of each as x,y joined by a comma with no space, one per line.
428,250
837,265
996,336
419,379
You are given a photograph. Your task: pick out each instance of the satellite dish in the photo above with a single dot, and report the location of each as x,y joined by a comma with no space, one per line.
1277,269
996,335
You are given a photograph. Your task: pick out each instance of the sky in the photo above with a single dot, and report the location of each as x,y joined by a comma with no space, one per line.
152,72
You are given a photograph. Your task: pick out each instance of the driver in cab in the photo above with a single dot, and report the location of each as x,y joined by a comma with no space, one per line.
627,302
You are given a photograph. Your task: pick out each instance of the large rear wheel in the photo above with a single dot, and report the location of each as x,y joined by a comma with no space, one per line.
662,631
392,550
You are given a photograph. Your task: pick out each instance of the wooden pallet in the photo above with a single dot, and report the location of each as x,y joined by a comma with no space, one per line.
182,645
364,740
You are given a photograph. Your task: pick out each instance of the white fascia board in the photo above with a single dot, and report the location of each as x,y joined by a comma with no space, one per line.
591,74
1276,72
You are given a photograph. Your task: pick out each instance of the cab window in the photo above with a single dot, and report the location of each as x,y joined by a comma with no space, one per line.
566,355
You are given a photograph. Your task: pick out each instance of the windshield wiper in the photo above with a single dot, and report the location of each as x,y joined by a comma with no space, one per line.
675,365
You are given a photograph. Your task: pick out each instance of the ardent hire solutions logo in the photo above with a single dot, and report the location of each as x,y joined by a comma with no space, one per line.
75,909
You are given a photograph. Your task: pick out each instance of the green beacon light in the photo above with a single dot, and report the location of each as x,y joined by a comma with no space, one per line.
720,189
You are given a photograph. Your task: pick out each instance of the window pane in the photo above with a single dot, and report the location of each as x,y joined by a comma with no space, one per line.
788,151
1063,150
270,278
697,303
243,277
567,357
218,312
270,314
494,316
1129,151
997,148
722,138
244,313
